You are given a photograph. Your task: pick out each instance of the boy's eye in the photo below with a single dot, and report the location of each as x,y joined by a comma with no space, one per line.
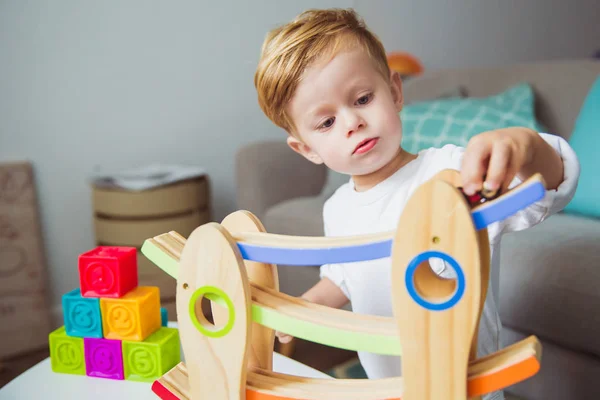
328,122
364,99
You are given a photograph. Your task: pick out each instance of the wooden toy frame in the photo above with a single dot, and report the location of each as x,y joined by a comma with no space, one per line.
435,320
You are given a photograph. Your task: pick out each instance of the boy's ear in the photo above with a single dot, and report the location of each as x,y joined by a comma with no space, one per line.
302,148
396,87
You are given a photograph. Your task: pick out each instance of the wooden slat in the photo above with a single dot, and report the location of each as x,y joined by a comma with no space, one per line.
436,342
263,338
218,364
503,369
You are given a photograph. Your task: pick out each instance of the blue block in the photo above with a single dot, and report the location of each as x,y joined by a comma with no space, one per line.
81,315
164,317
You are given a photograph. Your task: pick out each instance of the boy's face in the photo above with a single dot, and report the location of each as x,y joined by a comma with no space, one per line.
346,115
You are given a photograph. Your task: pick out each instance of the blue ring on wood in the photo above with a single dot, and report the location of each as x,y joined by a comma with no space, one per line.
482,217
410,285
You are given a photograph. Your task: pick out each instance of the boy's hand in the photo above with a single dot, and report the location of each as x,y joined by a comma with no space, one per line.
497,156
283,337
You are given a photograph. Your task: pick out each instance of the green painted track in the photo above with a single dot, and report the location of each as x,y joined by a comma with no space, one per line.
323,333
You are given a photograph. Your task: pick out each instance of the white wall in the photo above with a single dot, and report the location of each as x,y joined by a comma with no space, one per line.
460,33
101,86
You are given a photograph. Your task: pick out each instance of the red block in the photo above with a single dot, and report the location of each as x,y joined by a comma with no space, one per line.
108,271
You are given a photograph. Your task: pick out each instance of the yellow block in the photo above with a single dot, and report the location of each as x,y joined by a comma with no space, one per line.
134,316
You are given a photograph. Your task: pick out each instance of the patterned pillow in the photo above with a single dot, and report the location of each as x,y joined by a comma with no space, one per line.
455,120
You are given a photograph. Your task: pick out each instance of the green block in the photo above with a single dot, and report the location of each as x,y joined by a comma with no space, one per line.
150,359
66,353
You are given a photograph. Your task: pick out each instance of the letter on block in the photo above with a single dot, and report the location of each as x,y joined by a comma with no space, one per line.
82,315
108,271
103,358
66,353
149,360
134,316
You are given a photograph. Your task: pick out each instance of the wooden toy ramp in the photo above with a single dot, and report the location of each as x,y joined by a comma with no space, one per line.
435,322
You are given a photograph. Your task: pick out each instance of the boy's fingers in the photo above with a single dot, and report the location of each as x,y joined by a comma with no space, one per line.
285,339
474,166
497,168
508,177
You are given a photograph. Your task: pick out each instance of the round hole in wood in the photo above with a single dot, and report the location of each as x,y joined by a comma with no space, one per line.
430,289
430,284
198,312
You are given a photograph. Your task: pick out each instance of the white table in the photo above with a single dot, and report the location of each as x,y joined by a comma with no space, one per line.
40,382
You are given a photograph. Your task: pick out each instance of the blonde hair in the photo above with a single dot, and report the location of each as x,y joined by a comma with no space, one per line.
289,49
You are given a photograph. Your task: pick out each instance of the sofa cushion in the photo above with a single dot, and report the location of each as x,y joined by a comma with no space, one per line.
585,140
302,216
564,374
454,121
549,278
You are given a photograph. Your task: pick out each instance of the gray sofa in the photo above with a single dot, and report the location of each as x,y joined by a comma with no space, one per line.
549,275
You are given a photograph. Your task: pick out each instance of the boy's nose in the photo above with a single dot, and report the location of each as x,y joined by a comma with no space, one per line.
354,125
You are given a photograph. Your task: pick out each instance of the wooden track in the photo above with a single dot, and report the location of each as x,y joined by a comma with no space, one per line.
299,318
534,185
309,250
316,323
445,216
508,366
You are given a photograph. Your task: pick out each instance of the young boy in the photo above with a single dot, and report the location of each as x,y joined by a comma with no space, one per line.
324,78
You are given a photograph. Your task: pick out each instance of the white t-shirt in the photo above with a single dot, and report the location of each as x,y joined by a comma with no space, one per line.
367,284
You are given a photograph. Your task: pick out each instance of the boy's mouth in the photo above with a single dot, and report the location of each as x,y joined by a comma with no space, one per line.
365,146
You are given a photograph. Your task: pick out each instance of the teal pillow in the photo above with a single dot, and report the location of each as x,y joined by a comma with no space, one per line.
585,141
455,120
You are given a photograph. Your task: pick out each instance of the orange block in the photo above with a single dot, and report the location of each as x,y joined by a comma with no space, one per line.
134,316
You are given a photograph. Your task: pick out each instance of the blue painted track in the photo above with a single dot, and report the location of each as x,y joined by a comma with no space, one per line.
482,217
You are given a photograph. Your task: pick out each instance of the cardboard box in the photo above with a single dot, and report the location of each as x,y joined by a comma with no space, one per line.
24,305
25,323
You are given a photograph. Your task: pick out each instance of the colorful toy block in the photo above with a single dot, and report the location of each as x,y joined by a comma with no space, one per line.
164,316
134,316
81,315
148,360
104,358
66,353
113,328
108,271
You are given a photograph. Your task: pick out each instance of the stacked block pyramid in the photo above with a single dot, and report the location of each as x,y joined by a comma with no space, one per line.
113,328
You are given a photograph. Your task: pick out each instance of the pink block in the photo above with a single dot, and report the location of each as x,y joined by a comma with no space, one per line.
103,358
